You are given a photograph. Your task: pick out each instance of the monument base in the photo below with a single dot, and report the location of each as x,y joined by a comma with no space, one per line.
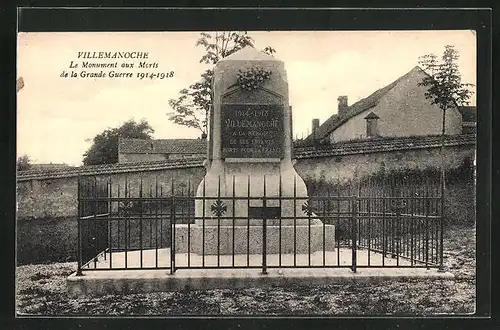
248,239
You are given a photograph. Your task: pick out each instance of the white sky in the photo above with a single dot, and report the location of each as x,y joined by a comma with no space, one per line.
56,116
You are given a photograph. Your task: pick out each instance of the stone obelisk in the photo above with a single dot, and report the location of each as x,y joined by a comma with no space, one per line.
250,157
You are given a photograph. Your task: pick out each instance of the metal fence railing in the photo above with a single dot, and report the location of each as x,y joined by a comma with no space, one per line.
154,225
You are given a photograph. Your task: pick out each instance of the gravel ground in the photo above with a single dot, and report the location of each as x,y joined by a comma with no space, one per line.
41,290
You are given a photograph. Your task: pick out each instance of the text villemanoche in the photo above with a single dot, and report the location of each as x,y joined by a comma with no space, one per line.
113,55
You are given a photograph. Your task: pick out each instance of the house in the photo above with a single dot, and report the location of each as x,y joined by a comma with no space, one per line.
142,150
398,109
469,119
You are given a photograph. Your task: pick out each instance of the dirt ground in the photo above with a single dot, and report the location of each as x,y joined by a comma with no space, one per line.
41,290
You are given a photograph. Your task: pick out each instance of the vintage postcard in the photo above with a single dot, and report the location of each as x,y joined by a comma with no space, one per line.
246,173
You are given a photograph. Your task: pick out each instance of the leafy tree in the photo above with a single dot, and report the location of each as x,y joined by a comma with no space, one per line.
23,163
192,107
104,149
445,87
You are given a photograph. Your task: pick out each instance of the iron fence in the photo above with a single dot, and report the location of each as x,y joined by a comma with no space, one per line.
149,225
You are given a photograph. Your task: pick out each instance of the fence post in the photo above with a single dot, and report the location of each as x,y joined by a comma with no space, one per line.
78,224
93,230
140,222
354,230
441,223
109,224
399,220
427,224
264,231
172,231
412,219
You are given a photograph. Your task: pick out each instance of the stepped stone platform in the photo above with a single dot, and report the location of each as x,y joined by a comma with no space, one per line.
102,282
285,239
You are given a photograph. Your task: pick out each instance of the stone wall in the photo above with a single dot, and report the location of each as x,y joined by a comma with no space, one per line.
56,197
47,198
47,204
347,167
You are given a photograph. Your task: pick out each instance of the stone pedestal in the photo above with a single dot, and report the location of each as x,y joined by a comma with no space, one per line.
250,160
249,239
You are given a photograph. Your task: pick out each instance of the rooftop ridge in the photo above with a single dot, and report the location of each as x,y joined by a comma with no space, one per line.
161,146
366,103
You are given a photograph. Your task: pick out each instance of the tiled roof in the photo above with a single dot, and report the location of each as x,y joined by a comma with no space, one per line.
162,146
337,149
368,102
469,113
383,144
109,169
372,115
48,166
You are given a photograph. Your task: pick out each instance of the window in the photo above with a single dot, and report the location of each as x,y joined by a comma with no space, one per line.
371,125
371,128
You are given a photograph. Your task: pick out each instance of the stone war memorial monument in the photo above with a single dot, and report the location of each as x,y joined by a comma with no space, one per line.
251,192
251,211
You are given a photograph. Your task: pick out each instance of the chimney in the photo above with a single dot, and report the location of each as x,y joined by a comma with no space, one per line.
315,126
342,105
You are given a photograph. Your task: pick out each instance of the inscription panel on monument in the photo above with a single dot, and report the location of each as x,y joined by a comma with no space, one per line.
252,130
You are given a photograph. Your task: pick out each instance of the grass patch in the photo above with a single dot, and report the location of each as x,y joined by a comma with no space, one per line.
41,290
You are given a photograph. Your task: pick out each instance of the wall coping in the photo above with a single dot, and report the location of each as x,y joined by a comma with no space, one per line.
338,149
108,169
383,145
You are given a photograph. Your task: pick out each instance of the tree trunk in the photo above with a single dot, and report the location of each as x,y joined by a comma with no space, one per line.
441,266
